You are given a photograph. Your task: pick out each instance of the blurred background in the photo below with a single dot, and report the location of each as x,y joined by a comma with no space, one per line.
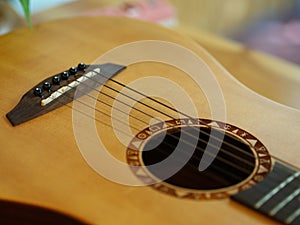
271,26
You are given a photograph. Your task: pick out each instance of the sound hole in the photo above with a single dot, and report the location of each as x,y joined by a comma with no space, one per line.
234,162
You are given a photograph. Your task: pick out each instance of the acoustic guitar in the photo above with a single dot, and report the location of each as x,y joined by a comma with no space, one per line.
116,121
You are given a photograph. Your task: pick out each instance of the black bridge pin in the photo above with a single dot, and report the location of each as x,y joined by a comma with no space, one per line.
73,70
81,66
38,92
46,86
56,80
65,75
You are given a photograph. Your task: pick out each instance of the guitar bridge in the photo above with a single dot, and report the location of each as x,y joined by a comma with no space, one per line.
60,89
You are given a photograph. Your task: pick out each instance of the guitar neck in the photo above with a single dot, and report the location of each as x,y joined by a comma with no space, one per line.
277,196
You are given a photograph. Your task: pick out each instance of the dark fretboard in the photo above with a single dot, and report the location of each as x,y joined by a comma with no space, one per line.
277,196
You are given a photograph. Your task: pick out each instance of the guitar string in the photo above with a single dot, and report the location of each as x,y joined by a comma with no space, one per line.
109,116
201,131
287,163
154,100
161,103
147,105
134,128
157,110
289,184
171,108
151,106
208,176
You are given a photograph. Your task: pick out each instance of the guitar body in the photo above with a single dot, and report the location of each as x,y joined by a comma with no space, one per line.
41,163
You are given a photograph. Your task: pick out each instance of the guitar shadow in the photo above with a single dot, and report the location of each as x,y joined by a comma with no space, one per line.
15,213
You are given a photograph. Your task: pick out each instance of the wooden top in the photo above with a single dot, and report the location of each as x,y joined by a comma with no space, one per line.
41,162
269,76
274,78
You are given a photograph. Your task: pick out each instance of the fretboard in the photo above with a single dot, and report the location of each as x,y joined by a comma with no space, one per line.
277,196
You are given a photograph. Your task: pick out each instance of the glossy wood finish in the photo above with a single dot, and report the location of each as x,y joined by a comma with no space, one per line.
271,77
41,164
267,75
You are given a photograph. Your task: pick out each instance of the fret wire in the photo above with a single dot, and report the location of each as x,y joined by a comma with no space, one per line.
285,202
287,212
293,216
276,190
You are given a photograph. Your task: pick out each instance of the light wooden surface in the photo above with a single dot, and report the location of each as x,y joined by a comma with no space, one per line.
41,164
274,78
271,77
